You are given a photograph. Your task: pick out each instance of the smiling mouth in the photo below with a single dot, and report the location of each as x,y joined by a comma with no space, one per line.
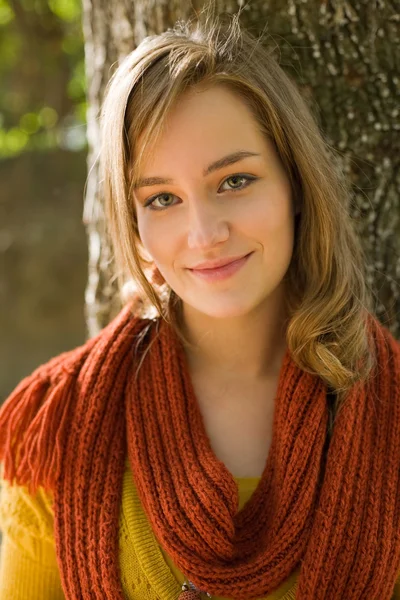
219,266
219,273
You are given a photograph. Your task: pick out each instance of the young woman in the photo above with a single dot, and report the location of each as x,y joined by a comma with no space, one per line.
243,440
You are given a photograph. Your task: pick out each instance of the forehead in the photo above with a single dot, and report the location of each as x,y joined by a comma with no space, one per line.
202,124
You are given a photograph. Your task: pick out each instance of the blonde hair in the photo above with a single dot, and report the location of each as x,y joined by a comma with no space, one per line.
328,300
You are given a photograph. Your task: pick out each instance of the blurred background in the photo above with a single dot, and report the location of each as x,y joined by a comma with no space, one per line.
43,150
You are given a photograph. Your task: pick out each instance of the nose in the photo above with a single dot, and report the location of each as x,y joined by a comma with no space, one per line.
207,225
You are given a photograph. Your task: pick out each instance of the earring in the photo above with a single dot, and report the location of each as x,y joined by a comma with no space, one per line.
156,276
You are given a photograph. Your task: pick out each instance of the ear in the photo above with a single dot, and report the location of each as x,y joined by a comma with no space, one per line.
143,252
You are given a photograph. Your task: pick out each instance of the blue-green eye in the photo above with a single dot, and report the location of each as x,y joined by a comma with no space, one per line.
240,177
244,179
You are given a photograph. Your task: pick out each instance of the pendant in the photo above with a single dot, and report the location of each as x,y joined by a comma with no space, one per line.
190,592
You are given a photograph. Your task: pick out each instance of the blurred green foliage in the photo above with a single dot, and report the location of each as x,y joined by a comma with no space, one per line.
42,74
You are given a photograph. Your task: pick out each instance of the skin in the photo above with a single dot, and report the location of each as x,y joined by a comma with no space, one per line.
236,323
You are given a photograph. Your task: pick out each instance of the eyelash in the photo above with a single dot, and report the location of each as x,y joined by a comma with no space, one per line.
249,180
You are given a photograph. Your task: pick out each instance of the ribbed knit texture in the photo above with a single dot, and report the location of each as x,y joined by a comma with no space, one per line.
28,566
340,523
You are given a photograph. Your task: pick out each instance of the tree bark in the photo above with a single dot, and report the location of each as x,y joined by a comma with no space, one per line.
345,58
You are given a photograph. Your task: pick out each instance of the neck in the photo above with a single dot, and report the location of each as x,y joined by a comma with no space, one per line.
249,346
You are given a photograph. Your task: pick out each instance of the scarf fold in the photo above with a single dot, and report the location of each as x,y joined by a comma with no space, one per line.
332,511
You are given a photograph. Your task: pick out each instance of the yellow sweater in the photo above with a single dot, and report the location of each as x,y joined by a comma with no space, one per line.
28,564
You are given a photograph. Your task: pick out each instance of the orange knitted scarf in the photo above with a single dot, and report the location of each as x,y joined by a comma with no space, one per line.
332,511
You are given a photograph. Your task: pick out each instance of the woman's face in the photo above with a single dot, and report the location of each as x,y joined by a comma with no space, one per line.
200,213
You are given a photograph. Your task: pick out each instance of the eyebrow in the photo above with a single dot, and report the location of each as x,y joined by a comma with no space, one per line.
214,166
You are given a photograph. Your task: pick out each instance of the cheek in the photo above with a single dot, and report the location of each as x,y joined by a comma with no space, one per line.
145,235
156,239
270,219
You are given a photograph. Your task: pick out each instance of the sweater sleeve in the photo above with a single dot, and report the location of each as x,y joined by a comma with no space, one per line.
28,564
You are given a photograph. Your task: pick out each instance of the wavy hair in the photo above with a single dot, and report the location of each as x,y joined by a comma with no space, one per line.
327,296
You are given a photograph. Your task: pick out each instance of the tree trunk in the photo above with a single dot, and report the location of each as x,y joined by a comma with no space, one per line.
344,56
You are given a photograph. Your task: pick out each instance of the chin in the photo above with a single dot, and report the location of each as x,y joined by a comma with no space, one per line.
223,309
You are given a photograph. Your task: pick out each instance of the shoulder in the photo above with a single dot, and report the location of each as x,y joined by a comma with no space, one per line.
385,347
27,415
34,419
27,520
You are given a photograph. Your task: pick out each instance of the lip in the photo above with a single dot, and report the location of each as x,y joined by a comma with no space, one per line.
223,272
215,264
